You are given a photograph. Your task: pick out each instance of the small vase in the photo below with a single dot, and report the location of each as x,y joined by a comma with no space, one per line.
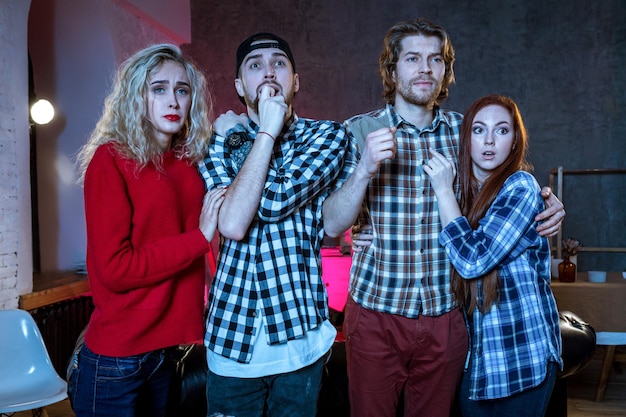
567,270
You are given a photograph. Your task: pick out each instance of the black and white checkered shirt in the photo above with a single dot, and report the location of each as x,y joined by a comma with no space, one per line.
276,268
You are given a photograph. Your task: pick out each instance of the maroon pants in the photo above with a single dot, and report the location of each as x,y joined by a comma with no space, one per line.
389,354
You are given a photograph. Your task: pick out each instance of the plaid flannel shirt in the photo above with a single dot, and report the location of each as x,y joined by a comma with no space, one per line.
405,271
277,266
513,342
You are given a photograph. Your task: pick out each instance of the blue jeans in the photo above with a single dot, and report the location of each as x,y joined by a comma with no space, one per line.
130,386
293,394
531,403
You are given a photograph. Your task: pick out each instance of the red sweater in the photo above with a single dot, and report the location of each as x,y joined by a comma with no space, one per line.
145,254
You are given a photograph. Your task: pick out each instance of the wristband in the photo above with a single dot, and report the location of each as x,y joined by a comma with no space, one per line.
272,137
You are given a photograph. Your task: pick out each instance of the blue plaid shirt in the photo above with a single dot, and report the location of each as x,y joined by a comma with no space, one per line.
514,341
276,268
405,271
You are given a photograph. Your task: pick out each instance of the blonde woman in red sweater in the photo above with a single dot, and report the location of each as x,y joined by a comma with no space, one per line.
149,227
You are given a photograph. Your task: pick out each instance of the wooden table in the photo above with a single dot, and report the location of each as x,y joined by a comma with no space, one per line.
603,306
52,287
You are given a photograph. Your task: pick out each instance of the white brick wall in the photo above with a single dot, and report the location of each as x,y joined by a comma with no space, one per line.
14,140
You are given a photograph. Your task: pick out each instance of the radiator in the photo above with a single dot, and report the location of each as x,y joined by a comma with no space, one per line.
60,324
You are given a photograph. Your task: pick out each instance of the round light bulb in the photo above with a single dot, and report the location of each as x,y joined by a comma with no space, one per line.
42,112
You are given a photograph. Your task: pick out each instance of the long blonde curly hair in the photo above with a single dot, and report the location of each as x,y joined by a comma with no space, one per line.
124,119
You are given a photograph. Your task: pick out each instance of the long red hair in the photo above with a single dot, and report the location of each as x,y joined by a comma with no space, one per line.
475,202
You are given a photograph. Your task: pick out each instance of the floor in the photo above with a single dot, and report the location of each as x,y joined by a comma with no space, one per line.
581,392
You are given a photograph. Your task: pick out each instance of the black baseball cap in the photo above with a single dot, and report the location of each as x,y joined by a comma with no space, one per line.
268,40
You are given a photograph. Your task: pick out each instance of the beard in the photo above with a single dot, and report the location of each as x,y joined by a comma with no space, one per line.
420,97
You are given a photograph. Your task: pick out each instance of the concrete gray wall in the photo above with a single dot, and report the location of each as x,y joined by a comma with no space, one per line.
562,61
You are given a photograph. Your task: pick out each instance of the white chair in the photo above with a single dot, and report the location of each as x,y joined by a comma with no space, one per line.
610,340
28,381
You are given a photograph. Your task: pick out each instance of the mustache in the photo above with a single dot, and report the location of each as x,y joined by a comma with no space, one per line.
423,78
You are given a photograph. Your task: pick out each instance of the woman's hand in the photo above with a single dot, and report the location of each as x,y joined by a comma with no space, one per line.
210,209
441,171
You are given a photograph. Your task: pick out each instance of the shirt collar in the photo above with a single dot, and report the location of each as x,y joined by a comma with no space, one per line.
395,119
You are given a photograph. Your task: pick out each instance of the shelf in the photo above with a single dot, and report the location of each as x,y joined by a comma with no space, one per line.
600,249
558,174
50,288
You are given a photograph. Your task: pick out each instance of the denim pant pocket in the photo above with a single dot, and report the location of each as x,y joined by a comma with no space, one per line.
103,385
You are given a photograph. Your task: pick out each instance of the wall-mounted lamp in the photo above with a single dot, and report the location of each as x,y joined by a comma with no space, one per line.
42,112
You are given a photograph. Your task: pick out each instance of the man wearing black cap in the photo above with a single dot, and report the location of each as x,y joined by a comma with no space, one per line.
268,332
